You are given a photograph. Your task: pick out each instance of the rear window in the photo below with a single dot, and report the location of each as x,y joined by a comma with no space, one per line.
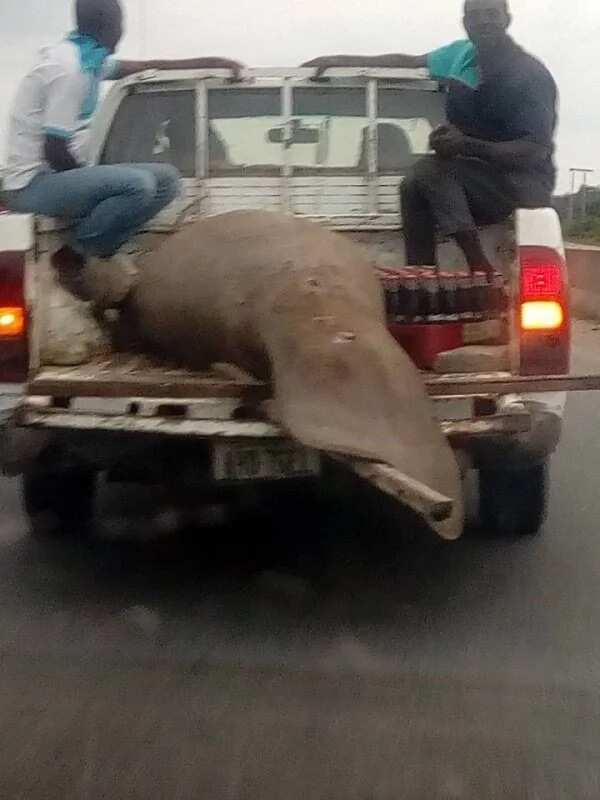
330,127
247,134
405,120
242,139
154,127
329,133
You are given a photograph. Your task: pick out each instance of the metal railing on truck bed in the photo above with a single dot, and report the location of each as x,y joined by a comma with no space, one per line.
335,150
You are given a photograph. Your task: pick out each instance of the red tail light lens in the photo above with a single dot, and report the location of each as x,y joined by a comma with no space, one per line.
543,313
540,281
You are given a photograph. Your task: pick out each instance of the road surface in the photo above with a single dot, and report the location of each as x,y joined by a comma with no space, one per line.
350,668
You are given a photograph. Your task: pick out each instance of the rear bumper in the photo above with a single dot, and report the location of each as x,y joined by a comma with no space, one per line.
104,438
514,421
525,429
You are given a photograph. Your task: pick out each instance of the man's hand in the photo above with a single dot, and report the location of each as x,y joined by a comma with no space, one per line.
323,63
385,61
235,66
127,68
58,155
448,142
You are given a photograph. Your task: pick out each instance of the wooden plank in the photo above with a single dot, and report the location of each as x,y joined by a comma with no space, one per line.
505,383
432,505
141,387
121,380
181,387
132,387
219,429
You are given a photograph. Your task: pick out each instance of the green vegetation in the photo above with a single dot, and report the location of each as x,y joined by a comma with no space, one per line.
586,228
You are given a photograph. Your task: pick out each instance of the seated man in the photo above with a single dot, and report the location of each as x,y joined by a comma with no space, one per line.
496,152
46,172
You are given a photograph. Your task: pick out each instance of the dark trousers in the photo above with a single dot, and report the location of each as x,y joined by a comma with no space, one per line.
450,196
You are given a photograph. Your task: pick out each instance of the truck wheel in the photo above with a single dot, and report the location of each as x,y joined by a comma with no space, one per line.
513,502
59,502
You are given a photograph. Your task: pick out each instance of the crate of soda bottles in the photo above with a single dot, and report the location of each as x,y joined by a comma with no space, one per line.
432,296
427,308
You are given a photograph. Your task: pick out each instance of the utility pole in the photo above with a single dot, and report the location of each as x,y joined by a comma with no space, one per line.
584,178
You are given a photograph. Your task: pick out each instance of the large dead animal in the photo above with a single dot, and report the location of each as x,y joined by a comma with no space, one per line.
286,299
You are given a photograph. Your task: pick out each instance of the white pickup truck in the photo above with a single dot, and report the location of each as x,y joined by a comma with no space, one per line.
333,151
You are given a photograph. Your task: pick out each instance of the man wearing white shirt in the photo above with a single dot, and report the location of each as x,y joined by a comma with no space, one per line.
46,171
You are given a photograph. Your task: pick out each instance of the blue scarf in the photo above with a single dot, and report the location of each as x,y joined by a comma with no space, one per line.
92,56
456,61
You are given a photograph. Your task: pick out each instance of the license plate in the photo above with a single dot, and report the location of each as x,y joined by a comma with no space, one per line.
276,461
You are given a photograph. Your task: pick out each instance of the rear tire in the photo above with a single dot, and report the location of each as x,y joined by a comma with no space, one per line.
513,503
59,502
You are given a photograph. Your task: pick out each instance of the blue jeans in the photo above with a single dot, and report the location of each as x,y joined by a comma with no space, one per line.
106,204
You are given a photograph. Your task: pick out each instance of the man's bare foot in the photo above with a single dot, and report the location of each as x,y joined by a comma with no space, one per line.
69,266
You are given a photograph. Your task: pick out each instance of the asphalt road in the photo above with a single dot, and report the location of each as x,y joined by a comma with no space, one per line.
360,667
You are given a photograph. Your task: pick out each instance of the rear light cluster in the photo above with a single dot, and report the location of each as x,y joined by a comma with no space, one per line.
13,318
543,312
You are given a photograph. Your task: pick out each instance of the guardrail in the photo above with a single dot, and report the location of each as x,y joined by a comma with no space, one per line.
584,278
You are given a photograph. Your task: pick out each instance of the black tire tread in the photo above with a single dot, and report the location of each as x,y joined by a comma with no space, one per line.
59,502
513,503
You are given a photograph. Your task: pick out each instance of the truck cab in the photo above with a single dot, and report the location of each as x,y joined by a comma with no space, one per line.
335,152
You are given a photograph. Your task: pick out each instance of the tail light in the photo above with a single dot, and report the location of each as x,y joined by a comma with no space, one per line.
537,315
13,318
543,313
12,322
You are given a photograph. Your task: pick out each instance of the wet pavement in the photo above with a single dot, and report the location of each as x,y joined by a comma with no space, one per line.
306,659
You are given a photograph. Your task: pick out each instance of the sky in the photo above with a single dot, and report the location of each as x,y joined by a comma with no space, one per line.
564,35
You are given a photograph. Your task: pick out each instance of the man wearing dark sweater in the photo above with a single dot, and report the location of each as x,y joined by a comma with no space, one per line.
495,153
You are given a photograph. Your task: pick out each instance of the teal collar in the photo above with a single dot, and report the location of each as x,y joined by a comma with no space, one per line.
92,55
